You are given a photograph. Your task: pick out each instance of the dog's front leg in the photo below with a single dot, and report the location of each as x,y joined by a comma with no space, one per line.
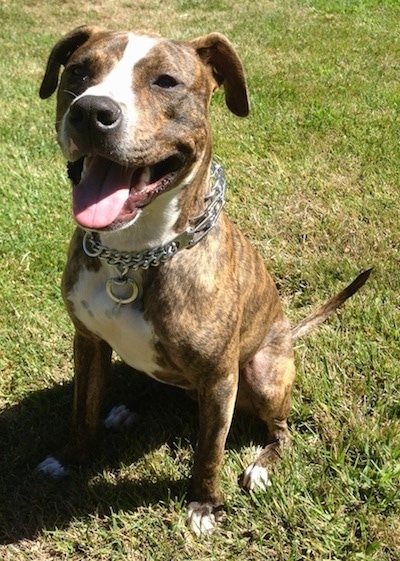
92,365
216,405
92,358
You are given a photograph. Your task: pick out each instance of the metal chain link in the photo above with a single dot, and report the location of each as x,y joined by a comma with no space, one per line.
202,224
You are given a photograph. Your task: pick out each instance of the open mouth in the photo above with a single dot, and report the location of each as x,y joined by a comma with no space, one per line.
108,194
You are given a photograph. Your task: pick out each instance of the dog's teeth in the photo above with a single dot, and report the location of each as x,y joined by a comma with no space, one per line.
86,161
146,174
144,179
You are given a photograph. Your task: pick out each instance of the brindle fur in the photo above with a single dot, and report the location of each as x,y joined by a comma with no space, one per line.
219,326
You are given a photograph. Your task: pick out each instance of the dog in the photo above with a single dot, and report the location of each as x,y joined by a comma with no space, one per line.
156,271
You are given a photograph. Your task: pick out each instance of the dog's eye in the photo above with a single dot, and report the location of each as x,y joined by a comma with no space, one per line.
79,71
165,82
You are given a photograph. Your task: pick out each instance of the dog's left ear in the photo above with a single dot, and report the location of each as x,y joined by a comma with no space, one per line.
217,52
60,54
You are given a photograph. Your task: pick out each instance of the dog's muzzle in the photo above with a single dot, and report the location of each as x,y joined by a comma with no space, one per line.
95,114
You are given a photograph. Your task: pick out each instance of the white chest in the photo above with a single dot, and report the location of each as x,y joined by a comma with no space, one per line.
122,326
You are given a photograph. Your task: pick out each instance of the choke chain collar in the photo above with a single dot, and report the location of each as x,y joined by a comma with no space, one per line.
124,261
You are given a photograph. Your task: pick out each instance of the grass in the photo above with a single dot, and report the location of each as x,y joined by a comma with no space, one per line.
313,182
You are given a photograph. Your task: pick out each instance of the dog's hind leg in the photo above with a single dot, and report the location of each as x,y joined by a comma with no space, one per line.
264,390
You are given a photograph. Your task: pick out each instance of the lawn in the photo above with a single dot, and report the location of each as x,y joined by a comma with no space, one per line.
313,181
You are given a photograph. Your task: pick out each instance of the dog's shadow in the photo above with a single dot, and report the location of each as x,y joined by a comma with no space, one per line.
39,424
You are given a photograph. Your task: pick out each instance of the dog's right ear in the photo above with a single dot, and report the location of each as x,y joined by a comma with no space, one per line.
60,54
218,54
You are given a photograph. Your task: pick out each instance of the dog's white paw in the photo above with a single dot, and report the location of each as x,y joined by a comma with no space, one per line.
51,467
201,518
120,417
255,478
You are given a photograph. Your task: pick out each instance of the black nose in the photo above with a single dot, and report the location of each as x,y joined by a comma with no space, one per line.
98,112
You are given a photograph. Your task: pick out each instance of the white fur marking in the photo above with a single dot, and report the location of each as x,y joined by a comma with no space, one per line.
128,333
52,467
200,518
118,84
256,478
120,417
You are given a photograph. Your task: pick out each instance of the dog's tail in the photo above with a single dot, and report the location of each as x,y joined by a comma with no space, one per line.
321,314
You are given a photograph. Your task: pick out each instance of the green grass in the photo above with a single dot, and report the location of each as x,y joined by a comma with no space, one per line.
313,182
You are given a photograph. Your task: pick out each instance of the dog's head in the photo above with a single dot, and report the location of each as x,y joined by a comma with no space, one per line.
132,114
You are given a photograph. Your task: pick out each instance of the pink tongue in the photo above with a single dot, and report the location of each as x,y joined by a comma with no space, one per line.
99,198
